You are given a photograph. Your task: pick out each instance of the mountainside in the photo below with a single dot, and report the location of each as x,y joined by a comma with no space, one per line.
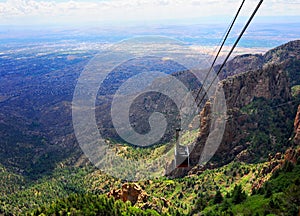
255,170
36,94
260,108
287,54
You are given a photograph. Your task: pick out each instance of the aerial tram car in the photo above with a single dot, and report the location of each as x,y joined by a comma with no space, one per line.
182,154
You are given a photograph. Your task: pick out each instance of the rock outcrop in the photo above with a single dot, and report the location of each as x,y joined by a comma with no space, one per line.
269,83
275,163
129,192
297,127
205,122
137,196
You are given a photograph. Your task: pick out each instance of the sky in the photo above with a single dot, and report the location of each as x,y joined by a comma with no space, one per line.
72,12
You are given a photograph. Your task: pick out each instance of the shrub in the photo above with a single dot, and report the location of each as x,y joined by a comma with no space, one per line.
238,195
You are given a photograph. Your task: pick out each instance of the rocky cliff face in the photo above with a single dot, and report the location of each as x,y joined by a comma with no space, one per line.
269,83
205,122
297,127
259,108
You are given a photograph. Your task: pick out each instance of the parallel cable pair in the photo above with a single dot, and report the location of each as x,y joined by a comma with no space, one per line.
230,52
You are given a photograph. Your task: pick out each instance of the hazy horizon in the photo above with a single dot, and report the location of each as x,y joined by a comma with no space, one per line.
124,12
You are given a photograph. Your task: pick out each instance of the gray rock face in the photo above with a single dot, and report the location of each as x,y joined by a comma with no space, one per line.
270,83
